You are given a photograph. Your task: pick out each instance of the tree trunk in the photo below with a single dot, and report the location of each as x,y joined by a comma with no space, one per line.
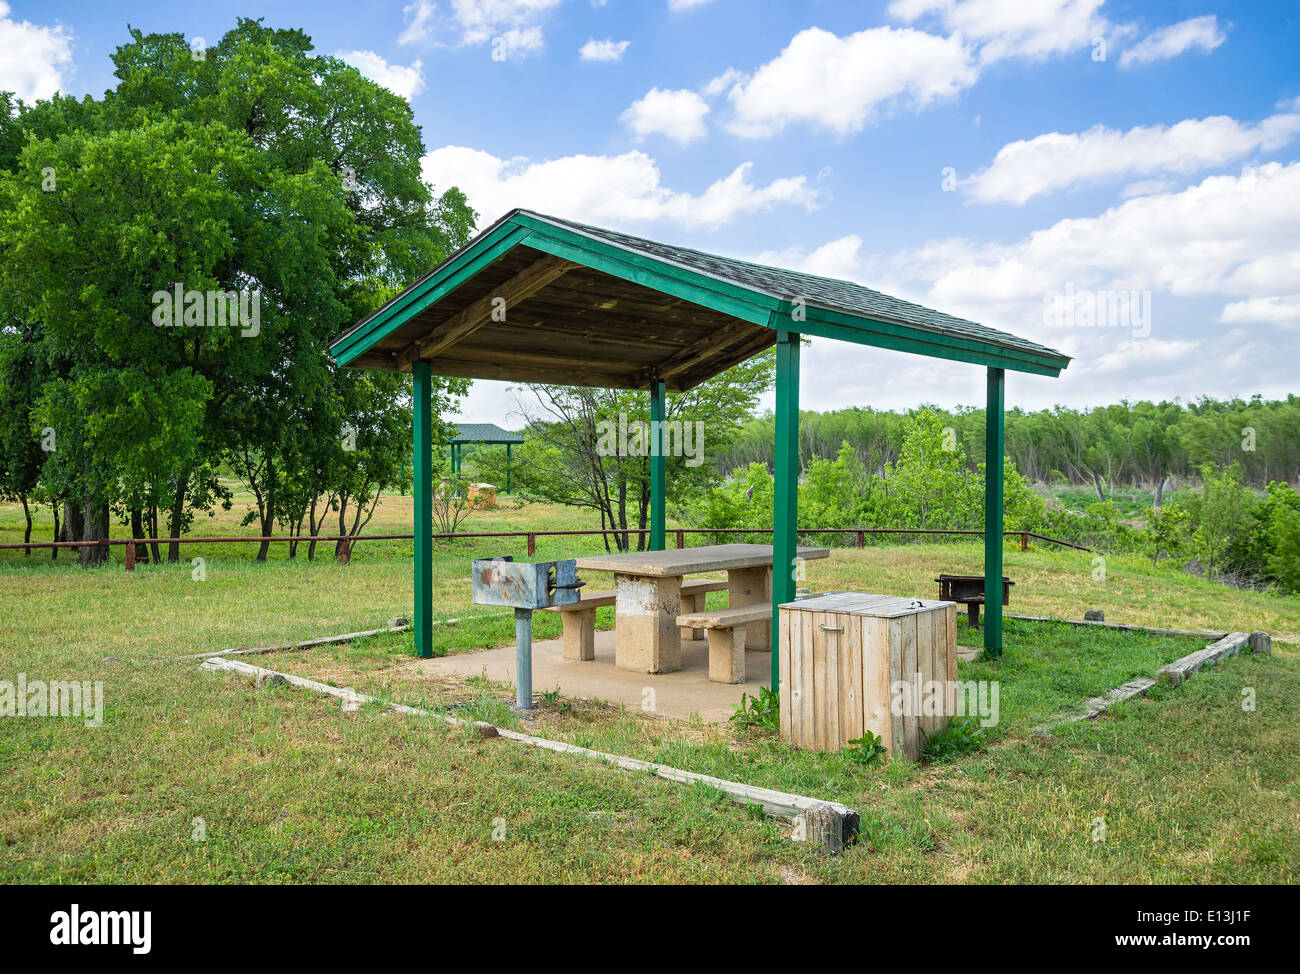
1160,491
642,542
174,519
1096,482
27,534
624,542
313,527
268,525
343,524
94,527
54,552
153,534
137,531
268,512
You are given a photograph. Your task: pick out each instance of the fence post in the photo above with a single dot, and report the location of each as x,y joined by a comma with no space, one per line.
1024,540
128,559
681,538
532,543
862,539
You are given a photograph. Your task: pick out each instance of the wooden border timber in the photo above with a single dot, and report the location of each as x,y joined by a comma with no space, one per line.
809,815
1230,645
1175,673
1124,627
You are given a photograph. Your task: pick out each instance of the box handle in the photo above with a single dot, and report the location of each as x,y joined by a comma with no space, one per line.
825,628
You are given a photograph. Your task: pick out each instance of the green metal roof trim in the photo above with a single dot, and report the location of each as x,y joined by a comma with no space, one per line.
484,433
768,296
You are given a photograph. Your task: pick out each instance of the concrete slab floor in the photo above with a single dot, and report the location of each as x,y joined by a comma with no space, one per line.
680,694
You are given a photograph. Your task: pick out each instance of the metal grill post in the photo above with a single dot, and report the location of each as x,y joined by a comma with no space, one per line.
524,658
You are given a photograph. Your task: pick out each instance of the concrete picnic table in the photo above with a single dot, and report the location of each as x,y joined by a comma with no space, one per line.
648,585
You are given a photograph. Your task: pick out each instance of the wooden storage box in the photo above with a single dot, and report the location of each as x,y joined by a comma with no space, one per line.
843,656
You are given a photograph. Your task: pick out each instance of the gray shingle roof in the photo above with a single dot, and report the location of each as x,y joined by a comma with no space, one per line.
826,292
484,433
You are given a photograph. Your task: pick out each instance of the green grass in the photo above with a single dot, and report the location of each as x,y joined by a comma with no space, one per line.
1192,787
1047,669
1050,668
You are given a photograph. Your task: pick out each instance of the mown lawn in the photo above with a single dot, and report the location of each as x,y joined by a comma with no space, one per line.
1189,786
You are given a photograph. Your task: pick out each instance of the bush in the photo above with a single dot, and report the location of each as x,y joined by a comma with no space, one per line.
762,712
931,486
1284,559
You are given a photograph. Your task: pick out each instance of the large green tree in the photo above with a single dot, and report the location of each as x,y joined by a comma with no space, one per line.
256,171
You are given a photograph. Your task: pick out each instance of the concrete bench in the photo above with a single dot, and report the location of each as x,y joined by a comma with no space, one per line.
727,637
580,617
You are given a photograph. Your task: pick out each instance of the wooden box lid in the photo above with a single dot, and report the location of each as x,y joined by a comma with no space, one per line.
866,604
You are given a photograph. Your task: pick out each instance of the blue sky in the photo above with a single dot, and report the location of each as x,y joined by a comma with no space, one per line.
1036,166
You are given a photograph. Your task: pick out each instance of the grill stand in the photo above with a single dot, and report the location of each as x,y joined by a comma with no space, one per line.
524,658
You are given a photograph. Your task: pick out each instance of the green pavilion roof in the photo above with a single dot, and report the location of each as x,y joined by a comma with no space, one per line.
484,433
536,298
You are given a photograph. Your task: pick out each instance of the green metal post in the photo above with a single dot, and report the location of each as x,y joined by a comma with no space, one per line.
422,392
507,468
658,464
785,506
994,447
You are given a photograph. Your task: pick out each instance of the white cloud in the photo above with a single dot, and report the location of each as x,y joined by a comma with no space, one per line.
1138,354
840,259
1146,187
419,22
1223,252
1171,41
1046,163
677,114
1228,237
514,26
517,42
686,4
1015,28
840,82
722,82
405,81
605,190
606,50
32,58
1283,311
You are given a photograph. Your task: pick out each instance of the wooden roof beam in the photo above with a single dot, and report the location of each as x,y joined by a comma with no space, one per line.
710,345
523,285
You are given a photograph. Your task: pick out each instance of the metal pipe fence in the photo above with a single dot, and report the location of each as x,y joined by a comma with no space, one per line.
348,541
